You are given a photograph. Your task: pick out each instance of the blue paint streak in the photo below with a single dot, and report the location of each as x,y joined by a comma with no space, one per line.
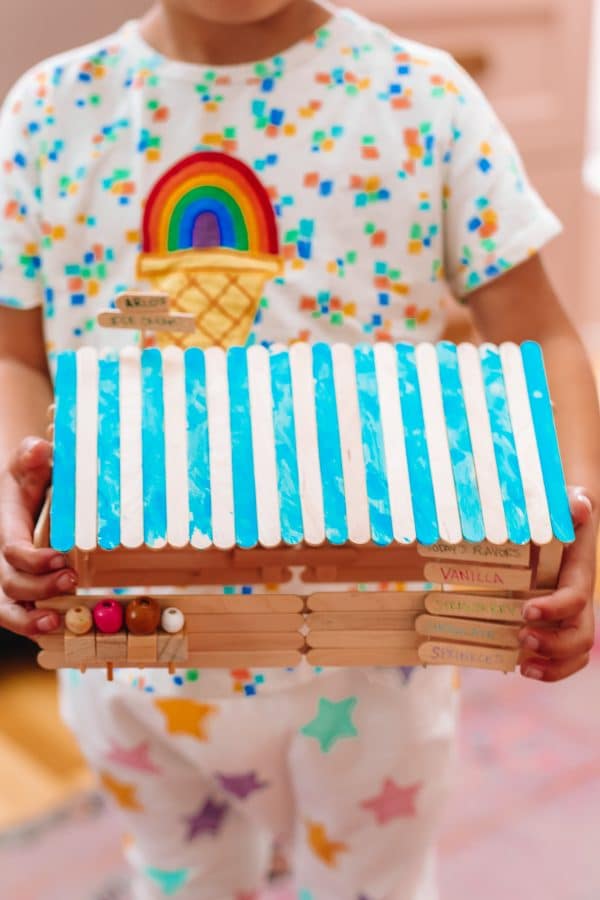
380,516
417,454
288,480
62,512
109,455
153,448
547,441
461,449
242,460
507,461
198,447
330,451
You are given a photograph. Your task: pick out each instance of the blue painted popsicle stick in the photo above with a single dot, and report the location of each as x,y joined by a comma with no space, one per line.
380,516
459,440
198,447
507,461
417,454
109,455
242,459
153,448
330,453
547,441
62,513
288,481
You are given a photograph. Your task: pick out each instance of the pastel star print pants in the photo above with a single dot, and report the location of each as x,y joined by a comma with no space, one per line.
347,770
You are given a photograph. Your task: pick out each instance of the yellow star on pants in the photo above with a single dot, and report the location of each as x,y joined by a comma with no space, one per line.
320,844
123,794
185,716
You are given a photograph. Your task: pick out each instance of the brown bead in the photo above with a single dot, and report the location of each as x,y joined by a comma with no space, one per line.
143,615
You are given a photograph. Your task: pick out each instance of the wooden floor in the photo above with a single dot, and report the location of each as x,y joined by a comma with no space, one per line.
40,764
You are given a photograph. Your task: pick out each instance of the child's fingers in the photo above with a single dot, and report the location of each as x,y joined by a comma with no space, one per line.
29,623
31,455
553,670
24,557
24,588
565,603
561,643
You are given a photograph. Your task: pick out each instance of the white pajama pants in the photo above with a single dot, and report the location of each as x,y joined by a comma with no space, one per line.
347,771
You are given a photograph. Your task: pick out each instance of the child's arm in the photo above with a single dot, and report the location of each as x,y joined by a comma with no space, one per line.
522,305
26,573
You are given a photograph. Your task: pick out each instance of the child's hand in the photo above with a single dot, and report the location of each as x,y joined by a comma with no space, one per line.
562,647
27,573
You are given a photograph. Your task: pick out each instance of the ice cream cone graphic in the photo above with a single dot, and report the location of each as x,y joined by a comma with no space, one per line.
210,242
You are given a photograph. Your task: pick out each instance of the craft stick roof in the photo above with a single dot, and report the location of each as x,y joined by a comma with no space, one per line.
315,444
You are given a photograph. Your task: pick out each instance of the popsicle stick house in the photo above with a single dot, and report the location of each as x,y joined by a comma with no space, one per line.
436,465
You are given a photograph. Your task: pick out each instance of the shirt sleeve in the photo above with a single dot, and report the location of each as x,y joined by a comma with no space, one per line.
20,232
494,219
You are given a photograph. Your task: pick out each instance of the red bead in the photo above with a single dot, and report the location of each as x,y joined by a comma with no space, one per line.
108,616
143,615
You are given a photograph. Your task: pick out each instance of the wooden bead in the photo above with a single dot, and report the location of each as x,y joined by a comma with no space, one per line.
172,620
108,616
143,615
78,620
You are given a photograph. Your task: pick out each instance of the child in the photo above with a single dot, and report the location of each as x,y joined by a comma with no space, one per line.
391,179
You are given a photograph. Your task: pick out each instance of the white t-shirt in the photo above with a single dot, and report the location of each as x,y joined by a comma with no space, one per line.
370,166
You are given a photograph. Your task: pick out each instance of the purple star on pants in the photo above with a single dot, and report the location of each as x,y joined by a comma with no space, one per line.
208,819
241,786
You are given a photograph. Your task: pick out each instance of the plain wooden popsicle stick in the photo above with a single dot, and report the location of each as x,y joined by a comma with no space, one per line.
185,558
223,604
468,631
491,577
223,659
467,655
245,641
366,601
548,565
475,606
136,578
340,640
361,656
378,620
376,574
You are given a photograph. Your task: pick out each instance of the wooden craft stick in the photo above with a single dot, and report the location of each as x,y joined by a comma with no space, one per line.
263,446
143,648
500,579
244,641
112,647
221,475
382,620
41,535
74,650
176,456
137,578
245,622
366,601
384,640
485,552
530,466
548,565
311,489
172,648
361,656
130,415
410,571
468,631
223,604
401,508
475,606
178,323
252,659
484,458
437,439
466,655
86,450
147,301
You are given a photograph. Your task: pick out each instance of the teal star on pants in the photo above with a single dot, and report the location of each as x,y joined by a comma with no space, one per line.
332,722
169,880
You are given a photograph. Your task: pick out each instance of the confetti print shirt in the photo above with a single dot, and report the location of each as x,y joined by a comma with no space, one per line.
392,182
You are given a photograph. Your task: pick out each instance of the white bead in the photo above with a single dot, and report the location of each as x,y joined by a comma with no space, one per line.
172,620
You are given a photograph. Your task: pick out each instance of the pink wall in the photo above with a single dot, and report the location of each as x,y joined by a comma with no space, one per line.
34,29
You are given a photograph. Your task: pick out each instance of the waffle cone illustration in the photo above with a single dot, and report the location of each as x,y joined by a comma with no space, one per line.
210,243
221,288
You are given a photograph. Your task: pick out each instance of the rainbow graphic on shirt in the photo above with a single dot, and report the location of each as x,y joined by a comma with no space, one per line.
210,241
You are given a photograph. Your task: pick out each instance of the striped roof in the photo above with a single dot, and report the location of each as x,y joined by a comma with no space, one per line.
315,444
